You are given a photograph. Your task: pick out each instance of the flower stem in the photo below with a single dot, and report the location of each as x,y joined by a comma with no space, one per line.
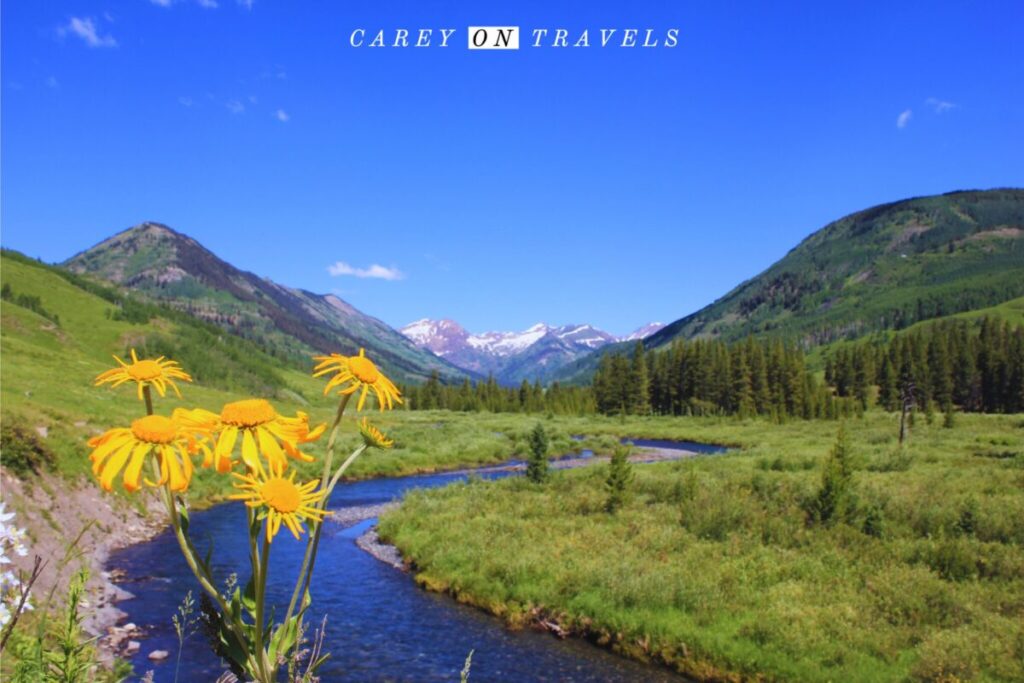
344,466
319,524
261,596
149,399
302,580
189,552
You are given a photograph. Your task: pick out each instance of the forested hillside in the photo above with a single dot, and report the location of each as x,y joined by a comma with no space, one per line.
885,268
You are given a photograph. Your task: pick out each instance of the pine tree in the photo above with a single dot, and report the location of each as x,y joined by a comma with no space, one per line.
941,372
640,388
834,501
620,475
742,399
888,385
537,466
758,376
861,374
949,420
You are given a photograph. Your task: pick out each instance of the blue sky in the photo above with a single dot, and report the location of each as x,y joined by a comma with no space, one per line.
606,185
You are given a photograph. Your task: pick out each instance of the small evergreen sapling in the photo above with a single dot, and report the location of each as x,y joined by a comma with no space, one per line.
537,466
620,474
949,420
835,500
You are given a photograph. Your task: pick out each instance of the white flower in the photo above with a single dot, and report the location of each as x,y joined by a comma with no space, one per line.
11,587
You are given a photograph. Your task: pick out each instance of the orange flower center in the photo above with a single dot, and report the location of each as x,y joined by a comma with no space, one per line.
281,494
251,412
363,369
145,370
154,429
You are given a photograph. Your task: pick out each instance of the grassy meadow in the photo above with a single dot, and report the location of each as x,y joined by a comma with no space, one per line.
46,387
713,568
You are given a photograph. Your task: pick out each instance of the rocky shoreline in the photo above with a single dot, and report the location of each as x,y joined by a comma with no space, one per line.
79,526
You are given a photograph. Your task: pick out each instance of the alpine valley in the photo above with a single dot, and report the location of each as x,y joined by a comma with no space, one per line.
920,558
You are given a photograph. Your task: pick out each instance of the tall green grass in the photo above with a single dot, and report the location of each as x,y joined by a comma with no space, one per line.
716,566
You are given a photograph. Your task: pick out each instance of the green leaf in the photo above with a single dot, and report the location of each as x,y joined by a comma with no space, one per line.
185,521
249,597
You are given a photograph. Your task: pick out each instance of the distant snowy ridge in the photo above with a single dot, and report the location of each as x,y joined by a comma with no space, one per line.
537,349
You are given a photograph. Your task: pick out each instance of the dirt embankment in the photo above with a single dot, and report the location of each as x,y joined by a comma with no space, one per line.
54,514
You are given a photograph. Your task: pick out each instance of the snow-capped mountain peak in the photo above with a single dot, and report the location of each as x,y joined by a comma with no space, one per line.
442,337
642,332
512,356
584,335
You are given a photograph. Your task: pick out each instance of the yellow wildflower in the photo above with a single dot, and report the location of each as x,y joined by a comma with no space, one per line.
281,498
159,373
262,431
357,373
373,437
129,447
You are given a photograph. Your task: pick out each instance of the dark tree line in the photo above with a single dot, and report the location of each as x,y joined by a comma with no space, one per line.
492,397
704,377
978,367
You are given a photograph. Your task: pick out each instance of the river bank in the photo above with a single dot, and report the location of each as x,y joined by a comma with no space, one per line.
725,565
371,542
538,618
75,526
378,619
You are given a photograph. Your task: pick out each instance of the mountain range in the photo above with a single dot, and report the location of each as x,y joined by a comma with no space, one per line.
880,269
511,357
172,268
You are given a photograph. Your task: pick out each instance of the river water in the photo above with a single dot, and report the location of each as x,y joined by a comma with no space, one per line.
381,626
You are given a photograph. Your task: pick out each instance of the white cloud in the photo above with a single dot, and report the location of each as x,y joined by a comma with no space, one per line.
281,115
85,28
374,271
939,106
234,106
904,118
277,72
206,4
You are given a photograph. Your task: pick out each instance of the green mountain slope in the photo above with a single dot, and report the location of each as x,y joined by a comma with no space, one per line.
884,268
58,332
170,267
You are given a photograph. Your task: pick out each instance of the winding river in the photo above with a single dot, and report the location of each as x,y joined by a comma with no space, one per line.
381,626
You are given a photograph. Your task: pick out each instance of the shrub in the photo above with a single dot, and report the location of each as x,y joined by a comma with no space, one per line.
23,450
900,460
537,466
835,499
620,474
874,522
